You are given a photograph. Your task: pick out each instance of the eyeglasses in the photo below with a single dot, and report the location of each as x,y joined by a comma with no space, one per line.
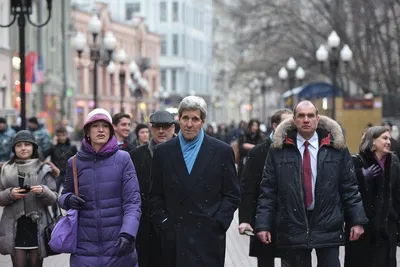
163,126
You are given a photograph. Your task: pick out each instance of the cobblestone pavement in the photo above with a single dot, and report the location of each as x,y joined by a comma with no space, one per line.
236,253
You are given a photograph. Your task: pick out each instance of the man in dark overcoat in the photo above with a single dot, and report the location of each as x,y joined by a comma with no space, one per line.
194,192
250,191
148,241
309,190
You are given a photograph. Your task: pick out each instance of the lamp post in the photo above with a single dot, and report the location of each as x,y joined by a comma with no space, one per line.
291,65
266,85
294,73
334,57
3,87
20,9
109,41
121,57
111,68
253,86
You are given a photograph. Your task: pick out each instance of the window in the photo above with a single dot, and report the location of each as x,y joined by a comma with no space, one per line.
173,78
131,9
183,45
163,45
175,11
175,44
163,11
164,79
184,13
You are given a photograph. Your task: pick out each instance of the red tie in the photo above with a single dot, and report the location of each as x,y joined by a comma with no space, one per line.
307,174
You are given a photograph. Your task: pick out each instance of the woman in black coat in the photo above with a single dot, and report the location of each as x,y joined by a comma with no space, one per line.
378,172
251,137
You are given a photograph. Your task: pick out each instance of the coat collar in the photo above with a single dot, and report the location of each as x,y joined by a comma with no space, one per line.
203,158
329,133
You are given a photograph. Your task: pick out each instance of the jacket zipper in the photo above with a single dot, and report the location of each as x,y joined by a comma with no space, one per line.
97,207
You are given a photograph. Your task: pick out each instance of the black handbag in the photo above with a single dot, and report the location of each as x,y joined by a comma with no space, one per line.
49,229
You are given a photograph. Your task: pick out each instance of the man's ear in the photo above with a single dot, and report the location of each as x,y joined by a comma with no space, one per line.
274,125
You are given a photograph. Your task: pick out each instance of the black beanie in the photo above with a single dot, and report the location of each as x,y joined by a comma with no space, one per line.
24,136
139,127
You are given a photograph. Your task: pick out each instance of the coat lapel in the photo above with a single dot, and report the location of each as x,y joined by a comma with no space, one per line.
148,158
178,161
203,158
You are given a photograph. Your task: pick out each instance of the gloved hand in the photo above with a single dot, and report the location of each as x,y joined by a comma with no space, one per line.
74,202
125,244
372,172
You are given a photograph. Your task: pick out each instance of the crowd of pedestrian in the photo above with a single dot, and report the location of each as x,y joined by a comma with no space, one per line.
164,193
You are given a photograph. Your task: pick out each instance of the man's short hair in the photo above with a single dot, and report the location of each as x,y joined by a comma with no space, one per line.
61,129
295,107
277,116
33,120
387,123
3,120
117,117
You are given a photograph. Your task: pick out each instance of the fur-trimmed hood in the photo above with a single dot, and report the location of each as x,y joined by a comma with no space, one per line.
325,124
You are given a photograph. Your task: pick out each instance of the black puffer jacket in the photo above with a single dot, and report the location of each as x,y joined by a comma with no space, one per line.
282,193
60,153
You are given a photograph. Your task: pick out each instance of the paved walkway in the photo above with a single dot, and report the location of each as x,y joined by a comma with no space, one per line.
236,253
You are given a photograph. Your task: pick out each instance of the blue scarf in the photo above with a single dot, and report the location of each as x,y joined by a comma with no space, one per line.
190,149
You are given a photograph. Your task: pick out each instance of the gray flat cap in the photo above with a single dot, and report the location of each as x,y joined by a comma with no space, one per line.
161,117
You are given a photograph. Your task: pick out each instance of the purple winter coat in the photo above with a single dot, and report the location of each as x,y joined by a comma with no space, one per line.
108,183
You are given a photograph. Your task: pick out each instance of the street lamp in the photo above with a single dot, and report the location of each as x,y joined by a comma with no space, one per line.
322,55
111,68
20,9
109,42
266,85
291,65
292,72
300,74
3,87
121,57
283,75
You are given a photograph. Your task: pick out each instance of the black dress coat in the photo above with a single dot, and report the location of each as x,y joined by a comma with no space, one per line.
194,210
381,198
148,241
250,191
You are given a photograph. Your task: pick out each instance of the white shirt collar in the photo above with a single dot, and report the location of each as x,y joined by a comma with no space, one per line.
313,140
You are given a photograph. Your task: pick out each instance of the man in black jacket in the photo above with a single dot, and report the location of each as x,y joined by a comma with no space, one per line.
60,153
250,191
309,190
148,241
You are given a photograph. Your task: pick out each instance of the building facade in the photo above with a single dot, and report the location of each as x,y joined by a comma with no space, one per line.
185,29
139,44
6,53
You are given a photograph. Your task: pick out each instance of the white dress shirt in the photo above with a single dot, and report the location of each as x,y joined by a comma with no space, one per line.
313,149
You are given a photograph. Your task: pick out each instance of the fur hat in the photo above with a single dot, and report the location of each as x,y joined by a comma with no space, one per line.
24,136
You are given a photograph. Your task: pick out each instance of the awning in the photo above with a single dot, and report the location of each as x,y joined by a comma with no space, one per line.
313,90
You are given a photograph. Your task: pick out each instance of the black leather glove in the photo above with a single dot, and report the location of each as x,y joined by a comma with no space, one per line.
372,172
125,244
74,202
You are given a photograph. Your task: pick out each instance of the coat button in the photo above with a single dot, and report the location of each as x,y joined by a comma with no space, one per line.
198,225
340,237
